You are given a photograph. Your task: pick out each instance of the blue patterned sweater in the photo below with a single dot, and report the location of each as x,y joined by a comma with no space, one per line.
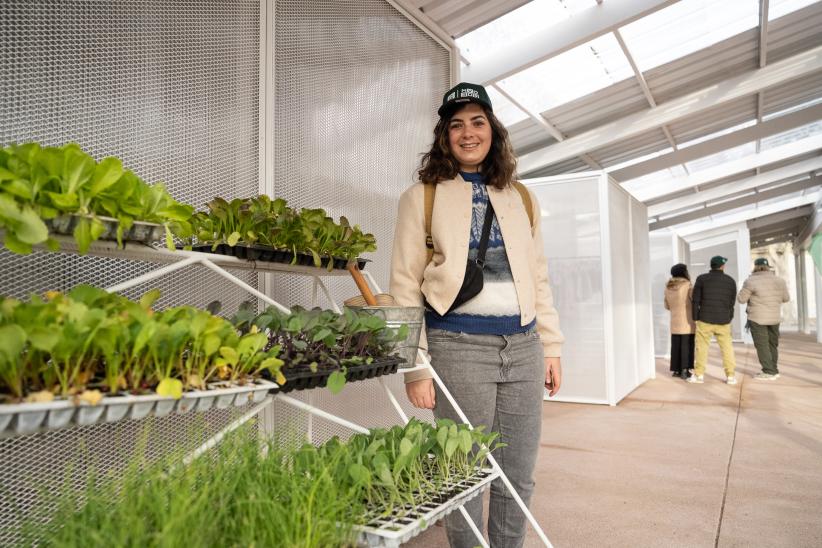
495,310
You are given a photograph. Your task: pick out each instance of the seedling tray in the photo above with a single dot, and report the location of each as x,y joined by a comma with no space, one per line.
408,521
273,255
306,380
140,231
27,418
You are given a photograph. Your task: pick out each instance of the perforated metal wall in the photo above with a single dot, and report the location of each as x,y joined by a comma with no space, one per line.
172,88
357,86
38,467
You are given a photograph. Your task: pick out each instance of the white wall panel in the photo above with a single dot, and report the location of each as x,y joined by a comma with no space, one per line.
643,320
622,304
571,231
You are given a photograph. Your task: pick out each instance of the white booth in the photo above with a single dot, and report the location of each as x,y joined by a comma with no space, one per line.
596,242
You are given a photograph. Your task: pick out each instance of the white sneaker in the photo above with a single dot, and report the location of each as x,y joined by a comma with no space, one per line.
696,379
730,380
766,376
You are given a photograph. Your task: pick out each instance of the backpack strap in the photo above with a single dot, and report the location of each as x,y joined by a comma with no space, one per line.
428,201
430,191
526,201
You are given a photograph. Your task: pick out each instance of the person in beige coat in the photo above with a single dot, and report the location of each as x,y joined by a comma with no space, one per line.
678,292
764,292
496,351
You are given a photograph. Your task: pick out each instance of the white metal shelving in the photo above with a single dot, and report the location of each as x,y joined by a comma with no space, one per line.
220,264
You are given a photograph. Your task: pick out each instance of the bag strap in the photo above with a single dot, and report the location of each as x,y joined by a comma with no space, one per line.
430,190
428,202
486,234
526,201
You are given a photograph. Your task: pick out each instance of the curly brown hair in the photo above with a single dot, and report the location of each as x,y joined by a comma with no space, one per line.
499,167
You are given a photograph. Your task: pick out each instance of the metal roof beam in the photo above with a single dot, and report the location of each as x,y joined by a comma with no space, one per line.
728,169
750,214
789,228
646,90
733,204
712,194
542,122
463,21
718,144
779,240
791,214
583,27
728,90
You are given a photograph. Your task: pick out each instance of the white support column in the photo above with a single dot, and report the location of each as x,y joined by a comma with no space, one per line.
801,291
743,254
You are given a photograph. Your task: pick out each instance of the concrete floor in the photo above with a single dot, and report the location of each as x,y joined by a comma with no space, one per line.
676,464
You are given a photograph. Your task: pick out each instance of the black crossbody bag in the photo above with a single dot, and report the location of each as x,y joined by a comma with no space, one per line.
472,281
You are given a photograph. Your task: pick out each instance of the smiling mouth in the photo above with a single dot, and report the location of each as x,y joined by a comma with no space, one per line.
469,146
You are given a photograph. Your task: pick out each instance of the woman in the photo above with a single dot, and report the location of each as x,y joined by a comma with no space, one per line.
498,351
678,300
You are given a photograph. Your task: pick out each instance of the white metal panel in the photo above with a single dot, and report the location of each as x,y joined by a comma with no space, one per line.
571,232
662,249
622,305
642,278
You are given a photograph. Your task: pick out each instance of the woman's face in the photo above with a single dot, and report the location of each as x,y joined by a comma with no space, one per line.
469,136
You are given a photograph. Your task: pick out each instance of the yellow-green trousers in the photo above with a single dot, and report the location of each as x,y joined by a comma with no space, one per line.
704,333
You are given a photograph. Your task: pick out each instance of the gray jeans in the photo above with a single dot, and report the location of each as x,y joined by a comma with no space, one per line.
497,380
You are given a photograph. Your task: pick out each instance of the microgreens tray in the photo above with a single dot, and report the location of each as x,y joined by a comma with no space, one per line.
408,521
27,418
306,380
140,231
272,255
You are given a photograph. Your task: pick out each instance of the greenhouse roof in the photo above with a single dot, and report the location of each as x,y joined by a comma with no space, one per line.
695,106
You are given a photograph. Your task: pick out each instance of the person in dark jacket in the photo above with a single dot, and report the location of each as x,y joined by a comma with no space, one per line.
714,298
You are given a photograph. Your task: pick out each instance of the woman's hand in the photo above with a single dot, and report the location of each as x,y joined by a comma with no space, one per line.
553,375
421,393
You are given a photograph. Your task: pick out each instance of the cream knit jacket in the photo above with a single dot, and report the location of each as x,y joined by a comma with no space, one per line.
440,280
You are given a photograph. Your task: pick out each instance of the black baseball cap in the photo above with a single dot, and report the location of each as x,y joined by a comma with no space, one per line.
461,94
717,261
761,262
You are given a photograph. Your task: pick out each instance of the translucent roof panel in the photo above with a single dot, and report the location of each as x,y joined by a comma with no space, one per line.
722,157
504,109
533,17
654,184
577,72
685,27
778,8
632,161
792,135
720,133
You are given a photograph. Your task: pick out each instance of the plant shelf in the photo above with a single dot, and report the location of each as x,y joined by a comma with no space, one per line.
407,522
28,418
307,380
146,253
273,255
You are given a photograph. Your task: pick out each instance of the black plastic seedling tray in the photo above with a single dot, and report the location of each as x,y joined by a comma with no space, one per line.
140,231
273,255
306,380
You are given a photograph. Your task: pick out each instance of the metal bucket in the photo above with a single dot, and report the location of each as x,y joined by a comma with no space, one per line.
394,317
